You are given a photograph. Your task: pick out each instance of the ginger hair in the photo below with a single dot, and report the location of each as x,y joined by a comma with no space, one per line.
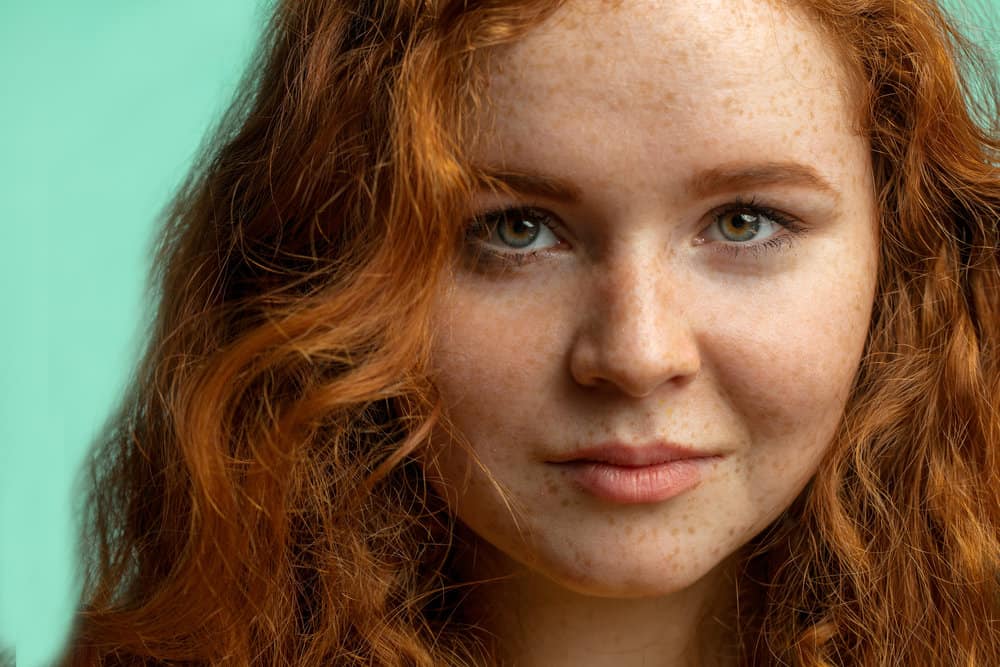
256,497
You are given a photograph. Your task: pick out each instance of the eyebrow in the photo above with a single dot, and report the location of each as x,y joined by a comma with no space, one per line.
528,182
747,176
702,184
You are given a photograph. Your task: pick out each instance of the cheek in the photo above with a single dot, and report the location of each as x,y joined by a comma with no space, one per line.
787,376
485,370
494,363
800,371
788,352
492,356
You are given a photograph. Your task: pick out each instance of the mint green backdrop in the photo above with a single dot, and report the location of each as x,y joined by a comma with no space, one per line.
102,107
104,104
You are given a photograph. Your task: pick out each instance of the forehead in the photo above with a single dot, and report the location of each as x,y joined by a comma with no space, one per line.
635,82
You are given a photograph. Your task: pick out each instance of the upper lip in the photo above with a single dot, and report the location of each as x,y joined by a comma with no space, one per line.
621,454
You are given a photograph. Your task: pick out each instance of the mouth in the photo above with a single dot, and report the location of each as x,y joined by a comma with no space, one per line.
625,474
632,456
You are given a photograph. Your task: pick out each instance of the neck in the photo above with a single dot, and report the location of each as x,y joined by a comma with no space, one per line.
536,621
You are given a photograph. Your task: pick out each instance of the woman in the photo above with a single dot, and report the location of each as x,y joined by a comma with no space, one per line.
571,333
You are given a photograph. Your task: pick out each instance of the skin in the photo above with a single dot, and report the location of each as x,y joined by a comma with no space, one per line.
639,325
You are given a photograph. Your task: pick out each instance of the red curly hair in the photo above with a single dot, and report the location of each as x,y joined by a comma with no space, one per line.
256,498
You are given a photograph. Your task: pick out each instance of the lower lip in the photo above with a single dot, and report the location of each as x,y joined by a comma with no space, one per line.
639,484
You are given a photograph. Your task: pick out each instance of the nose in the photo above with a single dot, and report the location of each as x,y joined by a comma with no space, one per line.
636,334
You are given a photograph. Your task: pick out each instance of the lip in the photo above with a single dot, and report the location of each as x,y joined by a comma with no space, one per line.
619,454
624,474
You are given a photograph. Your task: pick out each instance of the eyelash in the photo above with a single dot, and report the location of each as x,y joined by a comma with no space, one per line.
734,249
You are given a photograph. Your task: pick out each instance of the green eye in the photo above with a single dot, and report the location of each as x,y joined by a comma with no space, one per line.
517,229
744,226
495,234
739,227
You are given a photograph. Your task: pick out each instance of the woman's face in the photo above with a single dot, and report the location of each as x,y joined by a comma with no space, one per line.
664,304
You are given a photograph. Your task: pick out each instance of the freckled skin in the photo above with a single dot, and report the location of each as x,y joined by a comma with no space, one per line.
629,330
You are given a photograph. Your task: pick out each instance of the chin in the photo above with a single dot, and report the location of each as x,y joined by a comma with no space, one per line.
653,577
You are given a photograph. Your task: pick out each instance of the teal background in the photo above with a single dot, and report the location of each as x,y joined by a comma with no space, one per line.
104,104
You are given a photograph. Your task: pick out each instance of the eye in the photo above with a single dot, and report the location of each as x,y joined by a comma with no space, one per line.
746,226
742,222
518,228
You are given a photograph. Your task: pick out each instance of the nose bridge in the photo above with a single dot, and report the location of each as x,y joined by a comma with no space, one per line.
634,297
637,335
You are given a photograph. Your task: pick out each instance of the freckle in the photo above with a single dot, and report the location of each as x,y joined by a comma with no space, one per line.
564,503
690,530
628,530
611,520
674,532
732,531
